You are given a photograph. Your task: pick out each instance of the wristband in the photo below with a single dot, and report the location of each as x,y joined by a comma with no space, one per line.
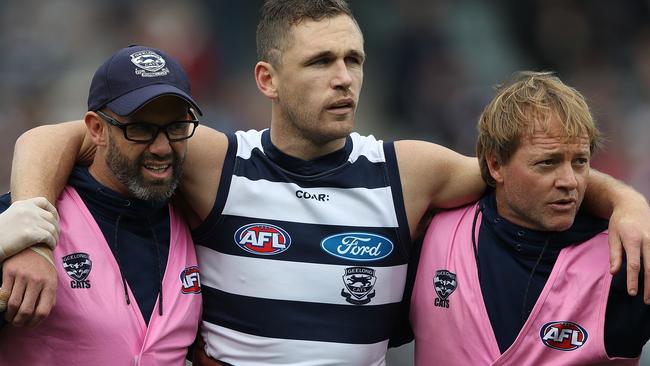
43,254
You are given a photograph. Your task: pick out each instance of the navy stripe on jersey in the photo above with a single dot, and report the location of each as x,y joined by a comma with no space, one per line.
362,173
223,241
398,197
298,320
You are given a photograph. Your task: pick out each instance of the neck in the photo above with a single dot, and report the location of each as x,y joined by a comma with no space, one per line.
301,144
102,174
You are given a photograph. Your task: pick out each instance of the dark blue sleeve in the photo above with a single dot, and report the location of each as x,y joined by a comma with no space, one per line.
5,202
627,319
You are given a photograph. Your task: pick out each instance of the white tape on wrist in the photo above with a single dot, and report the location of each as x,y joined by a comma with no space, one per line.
43,254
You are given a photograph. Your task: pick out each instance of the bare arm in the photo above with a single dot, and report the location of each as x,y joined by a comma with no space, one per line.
202,171
628,226
43,160
433,177
44,157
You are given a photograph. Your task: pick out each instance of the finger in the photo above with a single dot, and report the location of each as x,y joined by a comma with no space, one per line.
16,298
646,271
633,253
43,203
47,235
7,285
615,253
45,304
4,296
26,310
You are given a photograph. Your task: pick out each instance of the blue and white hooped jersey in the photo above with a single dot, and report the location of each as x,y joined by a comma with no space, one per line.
303,269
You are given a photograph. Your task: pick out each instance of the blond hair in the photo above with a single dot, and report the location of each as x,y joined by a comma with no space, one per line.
530,97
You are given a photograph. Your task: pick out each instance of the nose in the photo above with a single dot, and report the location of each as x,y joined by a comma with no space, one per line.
342,78
161,145
566,177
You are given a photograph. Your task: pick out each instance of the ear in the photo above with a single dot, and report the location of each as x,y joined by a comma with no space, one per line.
97,128
495,166
265,79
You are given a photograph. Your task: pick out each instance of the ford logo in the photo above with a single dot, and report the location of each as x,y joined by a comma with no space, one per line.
362,247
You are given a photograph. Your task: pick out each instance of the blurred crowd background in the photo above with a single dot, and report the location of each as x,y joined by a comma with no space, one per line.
431,66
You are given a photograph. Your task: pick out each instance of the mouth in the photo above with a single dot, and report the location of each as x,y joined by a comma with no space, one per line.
341,106
564,204
158,170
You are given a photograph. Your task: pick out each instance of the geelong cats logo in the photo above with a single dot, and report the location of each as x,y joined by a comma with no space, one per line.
359,281
78,266
445,283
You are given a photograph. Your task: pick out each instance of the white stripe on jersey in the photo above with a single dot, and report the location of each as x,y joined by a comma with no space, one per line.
247,142
287,352
339,207
267,278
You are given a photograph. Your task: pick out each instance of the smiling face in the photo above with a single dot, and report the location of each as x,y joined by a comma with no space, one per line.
148,171
318,80
543,183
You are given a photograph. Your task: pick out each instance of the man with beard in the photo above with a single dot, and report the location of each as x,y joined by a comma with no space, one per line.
128,281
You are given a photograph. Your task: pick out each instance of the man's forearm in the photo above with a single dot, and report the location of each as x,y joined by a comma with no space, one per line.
605,193
43,159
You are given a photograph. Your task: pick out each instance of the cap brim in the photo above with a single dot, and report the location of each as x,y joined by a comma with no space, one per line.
132,101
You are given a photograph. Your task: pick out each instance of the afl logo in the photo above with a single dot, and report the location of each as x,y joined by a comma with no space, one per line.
563,335
190,280
264,239
148,60
361,247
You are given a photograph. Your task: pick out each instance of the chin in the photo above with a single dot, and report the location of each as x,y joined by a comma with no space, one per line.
562,225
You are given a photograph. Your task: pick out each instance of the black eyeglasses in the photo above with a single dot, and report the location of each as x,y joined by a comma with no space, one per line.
144,132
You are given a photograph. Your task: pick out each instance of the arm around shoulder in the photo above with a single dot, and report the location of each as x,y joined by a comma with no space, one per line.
44,157
202,169
447,178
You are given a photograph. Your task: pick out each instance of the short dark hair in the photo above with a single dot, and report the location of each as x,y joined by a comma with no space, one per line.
278,16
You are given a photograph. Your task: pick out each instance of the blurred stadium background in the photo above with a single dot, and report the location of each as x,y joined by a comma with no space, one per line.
431,65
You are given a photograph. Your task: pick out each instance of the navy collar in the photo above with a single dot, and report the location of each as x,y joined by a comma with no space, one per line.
528,243
108,203
301,167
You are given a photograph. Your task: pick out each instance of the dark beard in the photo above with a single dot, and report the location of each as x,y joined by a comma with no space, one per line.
128,173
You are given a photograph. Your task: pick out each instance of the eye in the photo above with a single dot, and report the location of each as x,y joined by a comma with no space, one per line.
547,162
353,60
320,62
581,161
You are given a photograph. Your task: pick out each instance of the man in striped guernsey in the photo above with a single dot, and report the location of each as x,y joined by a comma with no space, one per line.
303,229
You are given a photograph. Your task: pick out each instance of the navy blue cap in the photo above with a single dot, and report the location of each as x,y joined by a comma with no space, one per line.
134,76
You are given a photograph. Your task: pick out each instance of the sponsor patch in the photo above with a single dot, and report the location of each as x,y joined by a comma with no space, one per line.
563,335
444,282
359,281
190,280
263,239
78,267
362,247
150,64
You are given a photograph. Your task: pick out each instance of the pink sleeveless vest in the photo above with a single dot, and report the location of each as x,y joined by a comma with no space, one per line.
451,324
91,323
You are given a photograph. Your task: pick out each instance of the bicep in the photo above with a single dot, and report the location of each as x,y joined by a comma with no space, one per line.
446,178
44,157
202,169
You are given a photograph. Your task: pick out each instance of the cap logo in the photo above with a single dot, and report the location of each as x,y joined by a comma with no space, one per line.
150,63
